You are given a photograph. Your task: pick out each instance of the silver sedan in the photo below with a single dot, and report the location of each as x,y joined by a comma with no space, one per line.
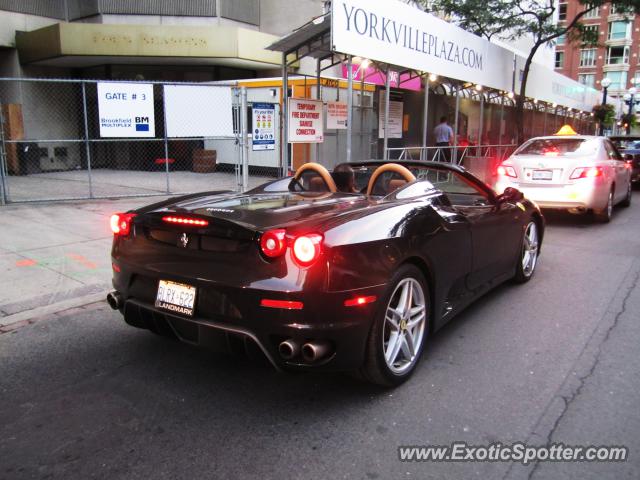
577,173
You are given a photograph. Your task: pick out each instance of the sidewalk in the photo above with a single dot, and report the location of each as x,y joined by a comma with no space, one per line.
57,255
52,253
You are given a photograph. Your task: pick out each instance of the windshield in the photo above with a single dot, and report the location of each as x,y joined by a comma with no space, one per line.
559,147
624,144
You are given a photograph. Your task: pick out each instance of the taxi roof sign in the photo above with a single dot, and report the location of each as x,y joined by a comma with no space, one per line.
566,130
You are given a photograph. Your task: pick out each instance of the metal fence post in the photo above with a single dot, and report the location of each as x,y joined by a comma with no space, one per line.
245,139
166,141
86,137
3,161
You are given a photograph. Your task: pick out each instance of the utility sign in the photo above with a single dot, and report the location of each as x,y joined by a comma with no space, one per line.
305,121
336,115
264,130
126,110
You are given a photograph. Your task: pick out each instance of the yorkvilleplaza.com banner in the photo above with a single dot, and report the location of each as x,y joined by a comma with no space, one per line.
399,34
396,33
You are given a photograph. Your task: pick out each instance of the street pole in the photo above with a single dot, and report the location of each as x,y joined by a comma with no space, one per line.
284,147
349,105
631,103
425,115
604,102
387,96
454,157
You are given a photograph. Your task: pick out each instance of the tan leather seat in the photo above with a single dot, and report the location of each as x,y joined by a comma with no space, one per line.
395,184
317,184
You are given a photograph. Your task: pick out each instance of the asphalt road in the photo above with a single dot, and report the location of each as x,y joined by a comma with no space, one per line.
556,360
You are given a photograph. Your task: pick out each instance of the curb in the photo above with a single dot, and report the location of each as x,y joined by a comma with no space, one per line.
17,320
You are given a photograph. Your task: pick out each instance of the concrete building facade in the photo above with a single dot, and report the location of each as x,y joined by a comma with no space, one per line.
189,40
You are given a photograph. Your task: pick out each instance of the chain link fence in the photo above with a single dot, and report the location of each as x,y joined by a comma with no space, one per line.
80,139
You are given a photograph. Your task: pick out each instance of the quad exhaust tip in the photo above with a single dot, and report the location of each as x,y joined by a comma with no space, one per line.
114,299
316,350
311,352
288,349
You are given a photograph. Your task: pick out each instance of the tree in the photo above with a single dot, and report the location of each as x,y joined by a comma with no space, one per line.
513,19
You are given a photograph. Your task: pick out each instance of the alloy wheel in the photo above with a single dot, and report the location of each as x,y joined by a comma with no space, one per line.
404,325
530,249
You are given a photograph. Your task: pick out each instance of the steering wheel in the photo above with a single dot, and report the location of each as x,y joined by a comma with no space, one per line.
320,170
389,167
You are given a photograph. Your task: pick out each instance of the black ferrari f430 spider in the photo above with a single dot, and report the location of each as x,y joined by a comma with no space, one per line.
347,270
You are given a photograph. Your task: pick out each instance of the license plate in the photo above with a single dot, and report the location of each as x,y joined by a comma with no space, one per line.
542,175
176,297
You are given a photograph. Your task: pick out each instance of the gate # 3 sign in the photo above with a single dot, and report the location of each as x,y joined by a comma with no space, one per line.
264,130
126,109
305,121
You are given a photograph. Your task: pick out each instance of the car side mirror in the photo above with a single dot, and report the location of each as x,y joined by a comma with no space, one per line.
511,195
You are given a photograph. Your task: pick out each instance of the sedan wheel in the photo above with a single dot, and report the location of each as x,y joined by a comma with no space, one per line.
529,254
605,215
400,329
627,200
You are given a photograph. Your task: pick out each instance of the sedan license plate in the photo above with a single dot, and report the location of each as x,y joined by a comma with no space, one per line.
542,175
176,297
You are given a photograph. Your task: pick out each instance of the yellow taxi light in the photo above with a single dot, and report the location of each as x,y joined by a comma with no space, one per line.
566,130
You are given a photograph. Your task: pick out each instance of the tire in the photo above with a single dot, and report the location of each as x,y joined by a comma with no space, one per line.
604,215
408,341
528,258
627,200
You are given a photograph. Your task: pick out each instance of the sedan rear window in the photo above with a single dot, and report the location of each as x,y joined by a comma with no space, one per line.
556,147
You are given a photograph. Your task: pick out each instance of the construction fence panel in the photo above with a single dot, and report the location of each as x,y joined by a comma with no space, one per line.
80,139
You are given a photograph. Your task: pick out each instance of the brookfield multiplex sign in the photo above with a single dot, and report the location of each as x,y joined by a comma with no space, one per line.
126,110
399,34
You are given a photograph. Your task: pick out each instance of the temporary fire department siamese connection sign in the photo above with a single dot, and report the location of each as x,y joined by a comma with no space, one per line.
126,109
305,121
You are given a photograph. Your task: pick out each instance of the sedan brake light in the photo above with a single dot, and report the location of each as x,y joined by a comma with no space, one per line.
507,171
121,223
586,172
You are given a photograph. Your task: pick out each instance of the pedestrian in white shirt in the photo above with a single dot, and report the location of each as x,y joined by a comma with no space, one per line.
444,137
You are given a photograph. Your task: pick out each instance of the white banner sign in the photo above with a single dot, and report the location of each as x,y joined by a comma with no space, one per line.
336,115
393,32
553,87
395,117
305,121
126,109
198,111
264,126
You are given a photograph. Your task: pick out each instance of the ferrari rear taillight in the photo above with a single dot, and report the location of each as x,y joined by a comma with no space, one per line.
273,243
176,220
507,171
307,248
586,172
121,223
